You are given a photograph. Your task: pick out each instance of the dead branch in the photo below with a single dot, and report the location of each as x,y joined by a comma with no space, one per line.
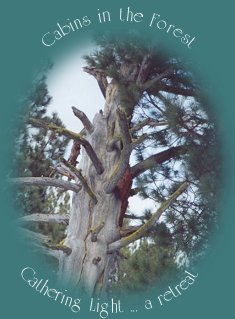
75,152
65,249
46,181
61,219
60,170
95,231
82,179
63,131
84,119
135,217
142,230
148,122
126,231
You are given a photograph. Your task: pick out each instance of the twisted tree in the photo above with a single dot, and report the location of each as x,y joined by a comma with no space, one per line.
153,138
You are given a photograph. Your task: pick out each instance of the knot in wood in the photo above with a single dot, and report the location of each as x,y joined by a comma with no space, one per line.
96,260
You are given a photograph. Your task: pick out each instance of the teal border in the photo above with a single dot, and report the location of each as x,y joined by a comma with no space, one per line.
23,55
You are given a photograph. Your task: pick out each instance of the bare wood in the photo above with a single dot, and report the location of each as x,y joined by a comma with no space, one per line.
142,230
67,250
125,154
82,179
62,219
84,119
95,231
53,127
62,171
63,131
156,159
91,153
46,181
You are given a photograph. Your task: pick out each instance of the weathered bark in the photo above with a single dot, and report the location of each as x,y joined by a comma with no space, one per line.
89,264
95,231
62,219
46,181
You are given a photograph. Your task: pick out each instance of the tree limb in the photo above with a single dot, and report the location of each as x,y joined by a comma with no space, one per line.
126,231
82,180
46,181
139,140
159,158
38,242
95,231
148,122
94,158
125,154
100,77
53,127
172,89
84,119
62,171
135,217
151,83
59,247
62,219
63,131
142,230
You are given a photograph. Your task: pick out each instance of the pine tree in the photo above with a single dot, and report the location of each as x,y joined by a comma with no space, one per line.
150,263
37,151
153,138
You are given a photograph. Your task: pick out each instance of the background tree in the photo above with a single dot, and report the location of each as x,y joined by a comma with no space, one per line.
153,138
148,263
37,151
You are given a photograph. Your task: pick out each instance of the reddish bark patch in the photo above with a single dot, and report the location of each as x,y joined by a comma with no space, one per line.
124,192
75,152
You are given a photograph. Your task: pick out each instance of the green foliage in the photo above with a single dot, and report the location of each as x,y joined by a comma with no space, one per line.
37,150
189,124
150,263
192,216
111,53
178,117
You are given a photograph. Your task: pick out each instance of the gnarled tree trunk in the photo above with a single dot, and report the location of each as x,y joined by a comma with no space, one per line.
103,178
94,225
